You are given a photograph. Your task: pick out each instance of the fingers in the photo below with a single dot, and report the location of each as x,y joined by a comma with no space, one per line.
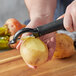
33,24
18,45
68,23
30,25
70,17
73,14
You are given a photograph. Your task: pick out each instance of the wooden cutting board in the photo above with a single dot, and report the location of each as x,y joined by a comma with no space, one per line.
55,67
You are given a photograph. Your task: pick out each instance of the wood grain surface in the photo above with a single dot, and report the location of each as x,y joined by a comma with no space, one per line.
55,67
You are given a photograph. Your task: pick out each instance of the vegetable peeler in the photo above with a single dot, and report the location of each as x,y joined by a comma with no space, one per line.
41,30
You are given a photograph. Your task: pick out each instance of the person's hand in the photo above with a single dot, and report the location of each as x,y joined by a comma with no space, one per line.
70,17
42,12
48,39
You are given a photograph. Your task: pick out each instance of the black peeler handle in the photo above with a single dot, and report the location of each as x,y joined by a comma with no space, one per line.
39,31
51,27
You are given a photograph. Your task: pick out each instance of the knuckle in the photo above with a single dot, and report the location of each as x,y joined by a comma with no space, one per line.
73,10
68,8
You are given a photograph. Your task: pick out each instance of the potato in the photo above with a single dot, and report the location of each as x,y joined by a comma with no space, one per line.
13,25
64,46
34,51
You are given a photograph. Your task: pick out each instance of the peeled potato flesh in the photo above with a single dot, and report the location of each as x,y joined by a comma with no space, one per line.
34,51
64,46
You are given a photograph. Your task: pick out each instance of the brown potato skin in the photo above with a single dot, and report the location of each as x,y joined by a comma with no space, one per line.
64,46
13,25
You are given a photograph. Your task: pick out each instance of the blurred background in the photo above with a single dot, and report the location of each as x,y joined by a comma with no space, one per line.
17,9
13,9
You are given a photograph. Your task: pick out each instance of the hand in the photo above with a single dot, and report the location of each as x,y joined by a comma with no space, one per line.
42,12
70,17
48,39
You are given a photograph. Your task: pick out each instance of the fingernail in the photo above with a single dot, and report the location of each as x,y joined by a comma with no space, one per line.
71,29
19,44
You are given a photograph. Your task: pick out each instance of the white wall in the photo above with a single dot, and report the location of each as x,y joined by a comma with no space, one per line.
12,9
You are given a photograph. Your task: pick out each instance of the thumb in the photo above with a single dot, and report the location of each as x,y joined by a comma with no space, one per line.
30,25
